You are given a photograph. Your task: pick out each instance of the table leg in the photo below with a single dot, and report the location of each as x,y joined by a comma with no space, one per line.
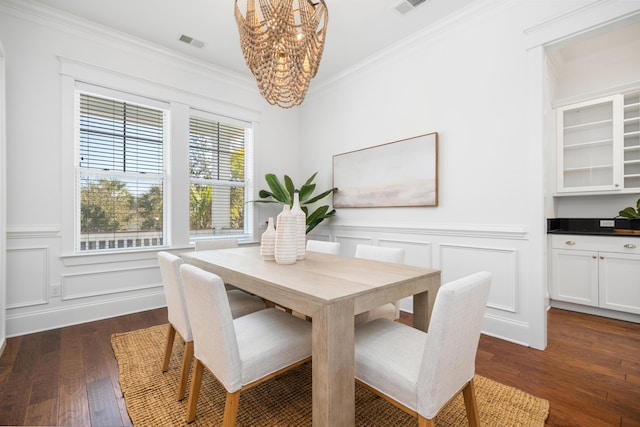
333,366
423,304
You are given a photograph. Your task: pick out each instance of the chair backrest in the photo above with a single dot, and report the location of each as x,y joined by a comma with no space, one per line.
323,246
174,293
380,253
214,338
211,244
452,341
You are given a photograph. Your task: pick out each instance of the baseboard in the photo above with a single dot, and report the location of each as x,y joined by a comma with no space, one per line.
43,320
596,311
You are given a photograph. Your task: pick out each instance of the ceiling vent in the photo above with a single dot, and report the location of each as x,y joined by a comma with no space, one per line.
190,40
407,5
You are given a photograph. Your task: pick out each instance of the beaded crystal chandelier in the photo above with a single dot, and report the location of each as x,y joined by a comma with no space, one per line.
282,43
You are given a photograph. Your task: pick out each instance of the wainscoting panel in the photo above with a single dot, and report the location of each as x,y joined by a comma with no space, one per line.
460,250
97,283
28,266
457,261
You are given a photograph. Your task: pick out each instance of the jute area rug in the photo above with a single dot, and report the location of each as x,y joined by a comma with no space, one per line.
150,395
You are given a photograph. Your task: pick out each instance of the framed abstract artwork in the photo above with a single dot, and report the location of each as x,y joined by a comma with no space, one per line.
396,174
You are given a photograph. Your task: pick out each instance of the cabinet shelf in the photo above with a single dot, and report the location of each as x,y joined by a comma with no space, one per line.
588,144
587,168
634,133
630,106
588,125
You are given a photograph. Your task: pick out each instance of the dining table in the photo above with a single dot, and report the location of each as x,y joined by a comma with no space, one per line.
329,290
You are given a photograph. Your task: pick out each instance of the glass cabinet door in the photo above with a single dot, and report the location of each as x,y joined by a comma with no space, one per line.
588,147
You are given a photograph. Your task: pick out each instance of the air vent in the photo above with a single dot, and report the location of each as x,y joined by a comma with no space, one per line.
408,5
190,40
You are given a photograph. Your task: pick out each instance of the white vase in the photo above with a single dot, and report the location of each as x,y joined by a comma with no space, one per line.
286,250
268,242
301,226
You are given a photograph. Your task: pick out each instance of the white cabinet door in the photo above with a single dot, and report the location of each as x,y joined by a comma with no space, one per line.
619,281
575,276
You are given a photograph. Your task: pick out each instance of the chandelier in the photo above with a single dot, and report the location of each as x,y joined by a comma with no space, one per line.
282,43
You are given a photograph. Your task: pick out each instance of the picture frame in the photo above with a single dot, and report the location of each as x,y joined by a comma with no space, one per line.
402,173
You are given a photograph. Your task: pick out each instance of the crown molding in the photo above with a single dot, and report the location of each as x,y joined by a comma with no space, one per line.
33,12
418,40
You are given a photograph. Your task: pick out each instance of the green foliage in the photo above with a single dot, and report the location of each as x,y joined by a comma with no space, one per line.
631,212
284,193
200,206
105,206
108,206
150,209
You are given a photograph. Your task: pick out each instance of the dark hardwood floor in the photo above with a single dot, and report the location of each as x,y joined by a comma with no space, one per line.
590,372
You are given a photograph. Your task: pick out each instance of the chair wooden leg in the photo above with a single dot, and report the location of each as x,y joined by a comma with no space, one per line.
186,365
231,409
469,393
196,382
423,422
168,348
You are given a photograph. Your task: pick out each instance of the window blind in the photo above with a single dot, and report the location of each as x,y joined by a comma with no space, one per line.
121,174
216,150
119,136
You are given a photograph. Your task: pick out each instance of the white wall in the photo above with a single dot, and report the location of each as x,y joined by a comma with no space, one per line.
3,209
477,80
45,55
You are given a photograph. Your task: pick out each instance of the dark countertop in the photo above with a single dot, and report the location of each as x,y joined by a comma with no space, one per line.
591,226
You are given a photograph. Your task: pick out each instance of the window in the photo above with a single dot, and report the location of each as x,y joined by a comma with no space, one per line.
120,174
217,170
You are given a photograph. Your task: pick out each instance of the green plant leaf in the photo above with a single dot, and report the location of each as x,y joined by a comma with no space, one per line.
288,183
323,195
311,178
279,192
318,216
264,194
306,191
629,213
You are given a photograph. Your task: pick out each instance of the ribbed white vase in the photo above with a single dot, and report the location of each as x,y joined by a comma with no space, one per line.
268,242
286,250
301,226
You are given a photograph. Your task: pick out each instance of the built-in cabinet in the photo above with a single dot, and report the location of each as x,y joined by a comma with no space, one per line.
597,271
598,148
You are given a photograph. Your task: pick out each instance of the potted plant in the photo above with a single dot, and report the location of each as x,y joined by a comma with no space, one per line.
630,217
283,193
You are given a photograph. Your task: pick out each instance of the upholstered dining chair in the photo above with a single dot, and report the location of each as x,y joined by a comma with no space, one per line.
240,352
215,244
387,254
421,372
211,244
241,303
323,246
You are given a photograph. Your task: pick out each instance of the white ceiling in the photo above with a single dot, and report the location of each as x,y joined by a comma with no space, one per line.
356,30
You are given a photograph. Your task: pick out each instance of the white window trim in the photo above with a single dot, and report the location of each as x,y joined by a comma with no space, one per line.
181,103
